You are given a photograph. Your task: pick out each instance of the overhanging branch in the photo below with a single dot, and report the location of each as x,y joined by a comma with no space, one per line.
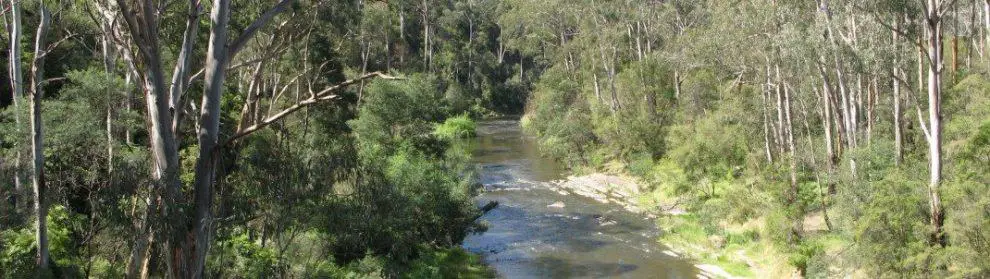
326,94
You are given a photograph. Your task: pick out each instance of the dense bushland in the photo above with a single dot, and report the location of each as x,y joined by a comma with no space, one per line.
793,126
333,136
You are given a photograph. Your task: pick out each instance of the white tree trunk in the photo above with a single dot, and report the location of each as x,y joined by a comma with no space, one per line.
17,86
37,137
180,76
209,127
935,119
898,133
142,23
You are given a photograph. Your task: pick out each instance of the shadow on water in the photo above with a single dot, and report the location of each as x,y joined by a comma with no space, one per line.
537,232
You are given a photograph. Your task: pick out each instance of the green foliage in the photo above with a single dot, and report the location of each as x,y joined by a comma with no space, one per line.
968,220
448,263
559,117
19,253
20,249
456,128
804,254
366,268
890,228
714,147
409,188
242,257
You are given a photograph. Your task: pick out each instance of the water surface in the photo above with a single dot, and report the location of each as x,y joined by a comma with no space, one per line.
538,232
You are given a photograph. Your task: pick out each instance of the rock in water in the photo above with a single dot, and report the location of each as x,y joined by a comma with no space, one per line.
488,207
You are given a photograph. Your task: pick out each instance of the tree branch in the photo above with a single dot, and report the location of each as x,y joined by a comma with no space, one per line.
900,32
236,45
323,95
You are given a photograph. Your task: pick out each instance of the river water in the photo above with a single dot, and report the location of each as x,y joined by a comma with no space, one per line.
539,232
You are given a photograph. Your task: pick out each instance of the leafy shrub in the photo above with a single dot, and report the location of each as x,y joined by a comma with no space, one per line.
448,263
804,254
456,128
241,257
20,248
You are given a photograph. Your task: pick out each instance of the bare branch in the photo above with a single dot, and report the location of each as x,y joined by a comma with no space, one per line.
323,95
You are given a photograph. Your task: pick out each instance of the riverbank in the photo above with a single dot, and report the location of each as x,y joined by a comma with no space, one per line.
739,254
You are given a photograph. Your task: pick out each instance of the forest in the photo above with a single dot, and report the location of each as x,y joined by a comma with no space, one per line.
331,139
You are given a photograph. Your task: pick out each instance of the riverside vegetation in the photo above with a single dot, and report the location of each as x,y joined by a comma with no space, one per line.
310,138
803,138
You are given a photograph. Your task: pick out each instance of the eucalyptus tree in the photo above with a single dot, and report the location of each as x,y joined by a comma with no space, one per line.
187,255
16,81
37,135
934,12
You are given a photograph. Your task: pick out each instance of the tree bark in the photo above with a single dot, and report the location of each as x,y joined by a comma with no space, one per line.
190,258
17,87
180,75
779,95
37,137
427,47
986,26
934,26
142,24
766,126
898,134
827,118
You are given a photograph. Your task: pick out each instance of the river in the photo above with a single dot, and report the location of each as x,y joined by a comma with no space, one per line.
539,232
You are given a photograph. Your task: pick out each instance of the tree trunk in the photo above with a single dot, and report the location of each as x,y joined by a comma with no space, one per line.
189,255
190,258
955,43
798,225
402,37
388,41
935,120
986,26
779,94
180,76
898,134
609,65
827,118
365,55
427,48
639,44
142,23
17,86
37,137
128,102
814,162
845,104
766,126
598,88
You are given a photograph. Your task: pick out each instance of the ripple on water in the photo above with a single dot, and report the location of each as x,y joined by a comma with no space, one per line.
536,231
